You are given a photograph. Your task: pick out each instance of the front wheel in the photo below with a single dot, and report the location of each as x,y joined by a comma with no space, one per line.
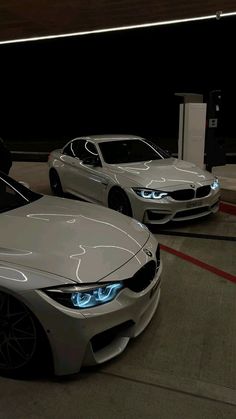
20,337
119,201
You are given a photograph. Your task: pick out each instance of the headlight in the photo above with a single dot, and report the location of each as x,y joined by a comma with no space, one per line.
78,297
215,184
150,193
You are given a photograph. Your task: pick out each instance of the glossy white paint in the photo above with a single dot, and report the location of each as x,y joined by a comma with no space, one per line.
55,242
94,183
62,237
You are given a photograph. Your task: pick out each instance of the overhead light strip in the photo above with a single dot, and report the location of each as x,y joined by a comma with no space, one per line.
218,15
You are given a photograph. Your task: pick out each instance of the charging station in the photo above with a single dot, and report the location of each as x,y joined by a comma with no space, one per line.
215,147
192,127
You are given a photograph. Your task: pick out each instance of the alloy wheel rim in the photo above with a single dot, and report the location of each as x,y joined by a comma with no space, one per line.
54,183
17,334
118,206
121,209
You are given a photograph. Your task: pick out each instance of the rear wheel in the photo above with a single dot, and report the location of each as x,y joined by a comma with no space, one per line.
55,183
21,338
119,201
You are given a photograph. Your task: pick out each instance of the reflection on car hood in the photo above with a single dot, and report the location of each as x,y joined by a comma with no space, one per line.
164,173
76,240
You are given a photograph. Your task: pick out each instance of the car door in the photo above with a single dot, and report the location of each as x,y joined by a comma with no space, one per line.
68,172
91,182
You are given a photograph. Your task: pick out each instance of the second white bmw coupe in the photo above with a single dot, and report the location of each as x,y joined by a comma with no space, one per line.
76,280
132,175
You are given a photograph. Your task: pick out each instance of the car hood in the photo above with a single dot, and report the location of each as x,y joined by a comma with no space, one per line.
161,174
76,240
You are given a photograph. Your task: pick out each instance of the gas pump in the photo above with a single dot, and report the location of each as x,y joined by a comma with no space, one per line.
214,144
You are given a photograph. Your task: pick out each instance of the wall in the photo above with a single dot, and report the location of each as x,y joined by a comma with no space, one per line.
116,82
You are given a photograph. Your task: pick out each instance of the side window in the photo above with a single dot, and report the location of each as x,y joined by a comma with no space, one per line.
86,149
90,149
71,149
81,149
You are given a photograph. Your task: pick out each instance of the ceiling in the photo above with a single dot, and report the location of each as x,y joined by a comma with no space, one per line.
27,18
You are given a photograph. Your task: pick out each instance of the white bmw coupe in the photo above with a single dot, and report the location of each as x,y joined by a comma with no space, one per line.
77,281
132,175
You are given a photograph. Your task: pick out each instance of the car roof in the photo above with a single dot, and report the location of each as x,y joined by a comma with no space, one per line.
107,137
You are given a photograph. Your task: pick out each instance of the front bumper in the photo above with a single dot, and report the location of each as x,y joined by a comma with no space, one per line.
92,336
168,209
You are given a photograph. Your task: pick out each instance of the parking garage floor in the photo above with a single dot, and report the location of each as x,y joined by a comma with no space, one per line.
183,365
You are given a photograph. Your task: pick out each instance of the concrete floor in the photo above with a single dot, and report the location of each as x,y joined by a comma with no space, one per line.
182,366
227,177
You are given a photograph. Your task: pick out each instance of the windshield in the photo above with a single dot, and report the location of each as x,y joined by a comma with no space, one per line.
130,151
13,194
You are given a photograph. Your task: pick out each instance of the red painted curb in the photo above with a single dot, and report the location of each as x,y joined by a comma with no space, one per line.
228,208
199,263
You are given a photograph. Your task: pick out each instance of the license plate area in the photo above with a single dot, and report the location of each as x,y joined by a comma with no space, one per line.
193,204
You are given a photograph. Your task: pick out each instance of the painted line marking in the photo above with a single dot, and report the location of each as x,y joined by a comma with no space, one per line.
199,263
196,235
228,208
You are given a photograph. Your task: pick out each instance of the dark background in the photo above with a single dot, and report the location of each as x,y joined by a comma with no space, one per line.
118,82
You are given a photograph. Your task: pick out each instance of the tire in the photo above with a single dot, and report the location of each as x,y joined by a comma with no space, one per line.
55,183
119,201
24,348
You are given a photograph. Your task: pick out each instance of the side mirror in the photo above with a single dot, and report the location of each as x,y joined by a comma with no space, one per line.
92,161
